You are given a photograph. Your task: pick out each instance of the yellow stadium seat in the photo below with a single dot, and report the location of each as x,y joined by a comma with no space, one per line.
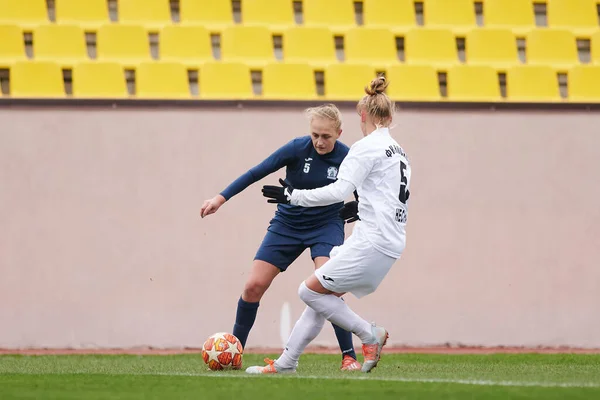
512,14
85,13
497,47
227,81
162,80
36,79
99,80
370,45
289,82
576,15
458,15
435,46
23,12
551,47
473,83
528,83
124,43
12,47
595,48
186,44
313,45
347,81
64,44
397,15
210,13
338,15
249,44
584,83
146,12
268,12
413,83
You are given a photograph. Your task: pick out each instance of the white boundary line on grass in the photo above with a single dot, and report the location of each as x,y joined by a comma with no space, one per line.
475,382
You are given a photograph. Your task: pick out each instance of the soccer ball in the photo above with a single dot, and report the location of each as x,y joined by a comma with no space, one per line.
222,351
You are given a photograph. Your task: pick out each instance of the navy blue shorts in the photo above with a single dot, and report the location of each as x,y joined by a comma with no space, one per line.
282,245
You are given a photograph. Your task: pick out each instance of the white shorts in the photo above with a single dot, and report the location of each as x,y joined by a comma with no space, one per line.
355,266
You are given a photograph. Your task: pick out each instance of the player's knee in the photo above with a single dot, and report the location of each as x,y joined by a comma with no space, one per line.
254,290
305,294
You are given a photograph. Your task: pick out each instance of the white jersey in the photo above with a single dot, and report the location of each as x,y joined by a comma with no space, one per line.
379,169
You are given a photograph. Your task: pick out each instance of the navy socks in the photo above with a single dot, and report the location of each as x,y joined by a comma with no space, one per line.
244,319
345,340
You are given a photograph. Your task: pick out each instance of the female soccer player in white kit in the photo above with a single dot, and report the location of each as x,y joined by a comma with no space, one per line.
377,167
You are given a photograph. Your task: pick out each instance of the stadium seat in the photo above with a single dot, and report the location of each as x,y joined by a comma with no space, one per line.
338,15
209,13
551,47
12,47
249,44
275,14
151,13
413,83
584,83
436,46
225,81
528,83
579,16
289,82
595,48
313,45
124,43
398,15
186,44
162,80
496,47
89,13
516,15
347,81
473,83
370,45
458,16
23,12
99,80
36,79
64,44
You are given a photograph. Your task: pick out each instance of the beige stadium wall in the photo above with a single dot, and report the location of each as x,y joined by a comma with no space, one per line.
101,245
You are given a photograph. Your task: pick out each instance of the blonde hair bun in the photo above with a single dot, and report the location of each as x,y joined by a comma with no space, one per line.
376,103
377,86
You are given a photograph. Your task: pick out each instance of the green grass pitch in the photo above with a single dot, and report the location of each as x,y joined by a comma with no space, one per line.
398,376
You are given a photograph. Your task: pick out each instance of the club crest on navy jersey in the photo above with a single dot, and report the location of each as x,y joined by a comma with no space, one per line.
332,173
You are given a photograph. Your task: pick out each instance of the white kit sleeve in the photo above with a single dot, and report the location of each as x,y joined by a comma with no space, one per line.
323,196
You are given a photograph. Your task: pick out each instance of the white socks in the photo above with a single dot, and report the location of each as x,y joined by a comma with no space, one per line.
306,329
321,307
335,310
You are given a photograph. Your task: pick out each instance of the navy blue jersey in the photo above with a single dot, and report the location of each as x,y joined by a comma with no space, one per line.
305,169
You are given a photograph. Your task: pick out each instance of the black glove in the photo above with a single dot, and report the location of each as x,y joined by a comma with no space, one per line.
350,212
278,194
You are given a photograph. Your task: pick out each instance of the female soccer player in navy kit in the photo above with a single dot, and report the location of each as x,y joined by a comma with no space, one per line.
311,162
